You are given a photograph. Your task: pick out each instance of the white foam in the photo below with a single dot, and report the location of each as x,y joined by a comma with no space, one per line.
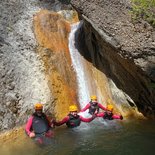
77,62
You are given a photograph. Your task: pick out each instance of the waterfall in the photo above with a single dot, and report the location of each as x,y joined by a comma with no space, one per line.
87,78
87,75
78,65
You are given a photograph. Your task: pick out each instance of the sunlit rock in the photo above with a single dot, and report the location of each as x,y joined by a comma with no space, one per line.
51,31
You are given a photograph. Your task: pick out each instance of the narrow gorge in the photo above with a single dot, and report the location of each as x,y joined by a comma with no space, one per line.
60,53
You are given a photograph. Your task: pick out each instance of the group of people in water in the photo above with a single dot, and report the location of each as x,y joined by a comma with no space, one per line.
39,124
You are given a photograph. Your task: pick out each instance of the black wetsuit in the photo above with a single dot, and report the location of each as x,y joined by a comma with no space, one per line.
73,121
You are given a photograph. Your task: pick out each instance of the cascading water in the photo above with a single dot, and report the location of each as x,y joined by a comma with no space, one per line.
78,66
87,75
87,82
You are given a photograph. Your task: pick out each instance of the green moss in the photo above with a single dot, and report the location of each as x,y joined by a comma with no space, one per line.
152,85
143,9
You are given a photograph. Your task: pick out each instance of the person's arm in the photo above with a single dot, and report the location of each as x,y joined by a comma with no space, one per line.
117,117
28,125
87,119
85,108
102,107
101,114
50,121
65,120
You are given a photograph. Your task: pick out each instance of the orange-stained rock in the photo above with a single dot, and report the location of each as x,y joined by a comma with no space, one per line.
52,31
11,134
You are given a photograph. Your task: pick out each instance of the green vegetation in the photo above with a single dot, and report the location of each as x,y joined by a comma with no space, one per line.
144,9
152,85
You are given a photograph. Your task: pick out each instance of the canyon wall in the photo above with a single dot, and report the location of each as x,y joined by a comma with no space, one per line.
123,51
23,80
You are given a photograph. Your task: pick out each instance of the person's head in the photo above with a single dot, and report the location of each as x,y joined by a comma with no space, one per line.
73,109
109,108
93,99
38,108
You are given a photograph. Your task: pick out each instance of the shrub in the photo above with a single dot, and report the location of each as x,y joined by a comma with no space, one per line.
144,9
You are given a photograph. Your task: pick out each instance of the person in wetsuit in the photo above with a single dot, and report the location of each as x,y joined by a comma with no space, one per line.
108,114
39,124
73,119
93,106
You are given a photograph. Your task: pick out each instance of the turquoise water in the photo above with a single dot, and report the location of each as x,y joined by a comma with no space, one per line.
134,137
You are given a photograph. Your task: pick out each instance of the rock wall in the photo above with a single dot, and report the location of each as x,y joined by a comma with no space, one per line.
122,50
52,30
22,72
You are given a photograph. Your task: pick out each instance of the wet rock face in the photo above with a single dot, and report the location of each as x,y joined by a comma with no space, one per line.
21,84
52,31
122,50
22,78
